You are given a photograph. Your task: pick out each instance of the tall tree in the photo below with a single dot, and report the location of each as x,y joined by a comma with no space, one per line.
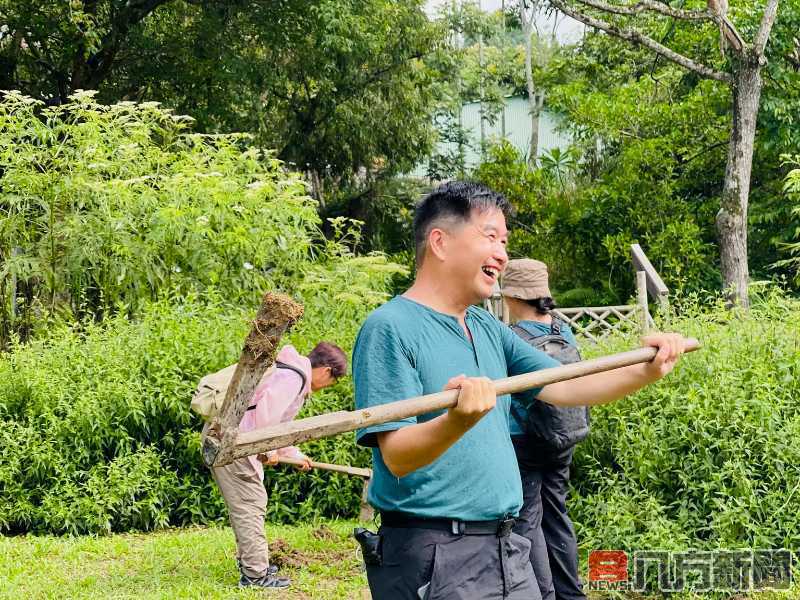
335,86
742,74
528,11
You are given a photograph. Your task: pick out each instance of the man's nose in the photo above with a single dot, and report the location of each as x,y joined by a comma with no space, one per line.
501,256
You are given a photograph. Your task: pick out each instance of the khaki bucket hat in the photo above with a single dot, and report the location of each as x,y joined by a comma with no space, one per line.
526,279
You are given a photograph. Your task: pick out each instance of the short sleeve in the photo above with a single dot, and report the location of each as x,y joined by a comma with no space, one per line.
382,372
521,358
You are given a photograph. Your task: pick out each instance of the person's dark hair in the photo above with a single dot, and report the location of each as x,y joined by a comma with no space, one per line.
453,201
542,305
330,355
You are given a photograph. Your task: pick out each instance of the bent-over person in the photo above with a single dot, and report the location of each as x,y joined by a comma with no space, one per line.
278,398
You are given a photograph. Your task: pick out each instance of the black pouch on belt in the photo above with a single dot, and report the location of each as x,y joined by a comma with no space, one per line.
370,543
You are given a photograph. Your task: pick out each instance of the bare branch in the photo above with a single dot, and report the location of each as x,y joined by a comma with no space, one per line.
642,5
636,37
767,20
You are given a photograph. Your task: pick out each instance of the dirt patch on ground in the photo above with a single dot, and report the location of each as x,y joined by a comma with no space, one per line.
283,555
325,533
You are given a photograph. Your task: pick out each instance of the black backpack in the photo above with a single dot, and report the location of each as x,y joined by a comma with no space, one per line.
553,427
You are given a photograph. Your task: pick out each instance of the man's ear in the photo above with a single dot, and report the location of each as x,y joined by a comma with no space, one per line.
437,243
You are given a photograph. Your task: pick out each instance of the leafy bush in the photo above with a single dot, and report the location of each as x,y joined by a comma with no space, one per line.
128,249
95,421
707,458
791,190
108,206
583,229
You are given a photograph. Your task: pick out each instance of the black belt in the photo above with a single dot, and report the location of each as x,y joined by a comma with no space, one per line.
499,527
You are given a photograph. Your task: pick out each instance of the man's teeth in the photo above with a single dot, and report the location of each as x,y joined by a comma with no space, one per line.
489,271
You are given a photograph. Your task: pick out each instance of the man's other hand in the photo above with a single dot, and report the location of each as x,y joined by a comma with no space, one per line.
306,466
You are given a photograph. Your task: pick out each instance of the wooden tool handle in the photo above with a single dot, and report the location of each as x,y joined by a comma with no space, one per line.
357,471
311,428
277,314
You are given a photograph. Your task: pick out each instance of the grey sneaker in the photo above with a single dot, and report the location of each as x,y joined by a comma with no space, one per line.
267,581
271,570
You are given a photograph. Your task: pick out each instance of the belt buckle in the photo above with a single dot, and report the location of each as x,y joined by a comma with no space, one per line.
457,527
505,526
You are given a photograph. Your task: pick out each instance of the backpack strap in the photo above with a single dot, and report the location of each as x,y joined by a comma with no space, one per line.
283,365
555,326
526,335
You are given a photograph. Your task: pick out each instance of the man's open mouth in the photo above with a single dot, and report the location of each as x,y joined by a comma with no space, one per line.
492,272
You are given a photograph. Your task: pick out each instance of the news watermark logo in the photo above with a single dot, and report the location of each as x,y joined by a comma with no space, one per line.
695,570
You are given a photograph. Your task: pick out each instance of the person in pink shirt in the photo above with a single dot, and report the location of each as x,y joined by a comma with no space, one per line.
277,399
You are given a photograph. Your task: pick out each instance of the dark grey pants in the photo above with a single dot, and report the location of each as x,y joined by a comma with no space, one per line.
428,564
544,521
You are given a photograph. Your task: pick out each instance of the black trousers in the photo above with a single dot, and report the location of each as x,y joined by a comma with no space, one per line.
544,521
429,564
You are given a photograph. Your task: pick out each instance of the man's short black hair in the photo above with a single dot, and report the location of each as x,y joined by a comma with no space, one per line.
453,201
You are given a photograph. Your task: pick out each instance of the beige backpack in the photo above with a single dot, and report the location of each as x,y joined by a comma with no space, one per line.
210,393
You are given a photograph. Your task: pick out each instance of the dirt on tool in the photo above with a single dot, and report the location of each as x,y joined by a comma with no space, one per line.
277,313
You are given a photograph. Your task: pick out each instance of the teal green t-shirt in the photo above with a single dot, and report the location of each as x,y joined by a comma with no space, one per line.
519,414
406,349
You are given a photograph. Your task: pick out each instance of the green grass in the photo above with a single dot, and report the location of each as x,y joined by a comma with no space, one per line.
321,560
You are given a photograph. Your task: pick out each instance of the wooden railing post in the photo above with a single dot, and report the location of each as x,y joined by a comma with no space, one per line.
653,283
641,302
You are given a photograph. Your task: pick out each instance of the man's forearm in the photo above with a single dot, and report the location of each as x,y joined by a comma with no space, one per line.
599,388
415,446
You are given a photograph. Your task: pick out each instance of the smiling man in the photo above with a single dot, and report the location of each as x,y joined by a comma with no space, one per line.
447,483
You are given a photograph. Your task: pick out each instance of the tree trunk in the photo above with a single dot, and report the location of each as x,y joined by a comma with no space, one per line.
732,216
533,104
536,112
317,190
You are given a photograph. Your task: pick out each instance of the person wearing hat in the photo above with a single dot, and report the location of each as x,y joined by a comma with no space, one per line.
544,436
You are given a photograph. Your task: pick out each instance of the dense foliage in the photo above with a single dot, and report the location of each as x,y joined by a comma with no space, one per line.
96,426
792,247
331,86
707,458
134,254
106,206
650,143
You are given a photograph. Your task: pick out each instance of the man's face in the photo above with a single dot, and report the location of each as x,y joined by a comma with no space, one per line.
475,253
